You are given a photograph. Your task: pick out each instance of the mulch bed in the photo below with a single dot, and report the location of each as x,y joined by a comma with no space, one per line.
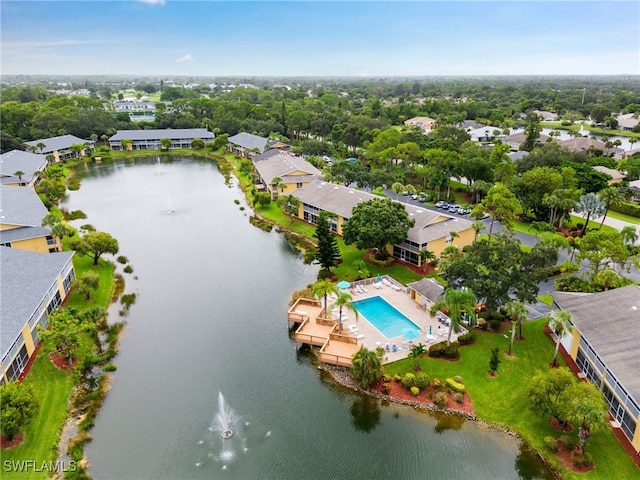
61,363
6,445
553,423
565,455
400,393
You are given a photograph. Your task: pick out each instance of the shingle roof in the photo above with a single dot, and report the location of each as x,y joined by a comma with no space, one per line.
57,143
21,206
520,137
610,322
172,133
26,279
582,143
249,141
15,160
23,233
283,165
429,225
614,174
428,287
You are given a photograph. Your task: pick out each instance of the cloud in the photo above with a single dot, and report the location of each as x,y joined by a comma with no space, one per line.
186,58
153,2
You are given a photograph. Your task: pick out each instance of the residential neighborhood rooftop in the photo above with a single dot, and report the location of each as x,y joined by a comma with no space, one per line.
32,275
56,143
285,166
610,322
21,206
29,163
172,133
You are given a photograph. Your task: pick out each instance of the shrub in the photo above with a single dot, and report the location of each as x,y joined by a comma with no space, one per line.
484,315
573,284
459,397
422,380
484,326
444,350
495,324
551,443
323,274
122,259
497,316
236,201
386,377
466,339
386,387
88,227
627,208
128,269
109,367
436,382
397,378
567,442
458,378
458,387
441,399
579,459
77,214
409,380
415,391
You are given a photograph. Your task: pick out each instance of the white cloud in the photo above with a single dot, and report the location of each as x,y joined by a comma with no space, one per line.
186,58
153,2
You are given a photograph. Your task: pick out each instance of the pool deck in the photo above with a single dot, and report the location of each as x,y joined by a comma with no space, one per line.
338,349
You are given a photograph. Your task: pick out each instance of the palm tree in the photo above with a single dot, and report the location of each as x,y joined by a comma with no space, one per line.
611,197
165,143
456,302
323,288
629,235
588,409
478,226
366,367
40,146
631,141
416,352
344,301
517,312
18,173
425,257
560,323
592,206
453,235
397,188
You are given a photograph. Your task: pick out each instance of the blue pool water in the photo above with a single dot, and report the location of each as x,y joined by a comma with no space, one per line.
389,321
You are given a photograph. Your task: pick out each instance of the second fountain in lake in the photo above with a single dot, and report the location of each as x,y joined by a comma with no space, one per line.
225,436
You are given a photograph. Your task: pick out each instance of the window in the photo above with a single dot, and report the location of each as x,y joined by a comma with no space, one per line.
299,185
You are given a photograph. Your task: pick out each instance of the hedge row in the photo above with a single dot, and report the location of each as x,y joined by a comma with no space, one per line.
628,209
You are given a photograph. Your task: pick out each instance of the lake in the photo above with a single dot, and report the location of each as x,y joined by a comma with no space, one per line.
206,349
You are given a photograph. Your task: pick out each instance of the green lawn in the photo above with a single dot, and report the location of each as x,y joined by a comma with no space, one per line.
102,295
53,388
502,400
623,217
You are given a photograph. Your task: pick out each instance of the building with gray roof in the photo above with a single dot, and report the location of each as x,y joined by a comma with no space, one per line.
59,147
33,285
17,160
293,170
21,217
150,139
605,345
432,230
246,144
426,292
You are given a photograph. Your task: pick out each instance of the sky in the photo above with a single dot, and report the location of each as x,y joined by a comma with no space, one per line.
319,38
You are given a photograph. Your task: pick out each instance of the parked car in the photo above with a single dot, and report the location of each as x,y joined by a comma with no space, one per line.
464,211
439,204
446,205
454,208
414,196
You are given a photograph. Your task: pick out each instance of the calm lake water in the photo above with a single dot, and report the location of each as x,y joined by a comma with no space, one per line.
206,347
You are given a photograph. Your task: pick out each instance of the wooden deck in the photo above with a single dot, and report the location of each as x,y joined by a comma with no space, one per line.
315,329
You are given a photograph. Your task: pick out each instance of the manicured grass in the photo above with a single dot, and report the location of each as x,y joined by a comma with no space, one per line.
53,388
503,400
623,217
546,299
102,295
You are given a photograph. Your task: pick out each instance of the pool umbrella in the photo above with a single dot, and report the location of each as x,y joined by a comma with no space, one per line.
343,285
429,329
378,280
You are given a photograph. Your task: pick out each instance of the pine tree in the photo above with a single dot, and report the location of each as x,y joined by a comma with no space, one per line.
328,254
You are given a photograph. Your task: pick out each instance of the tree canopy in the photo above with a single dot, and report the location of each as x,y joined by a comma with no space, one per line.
377,223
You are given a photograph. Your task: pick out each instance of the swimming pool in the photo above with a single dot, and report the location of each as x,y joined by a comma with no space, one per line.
389,321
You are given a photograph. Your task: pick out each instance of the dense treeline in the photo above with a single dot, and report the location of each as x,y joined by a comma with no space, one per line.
346,112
